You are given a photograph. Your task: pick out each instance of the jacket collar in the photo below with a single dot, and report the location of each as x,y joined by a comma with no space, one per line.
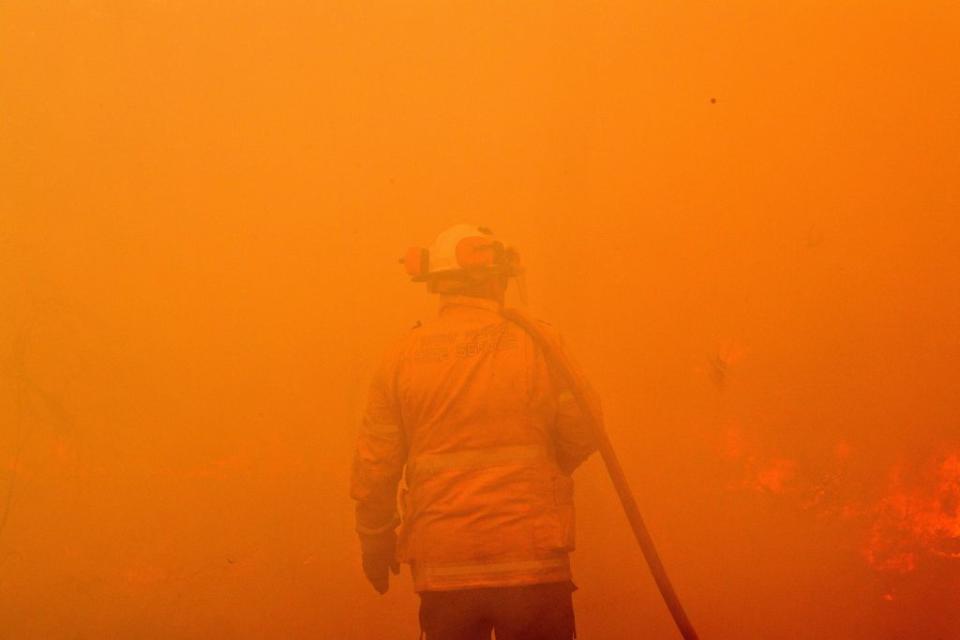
447,301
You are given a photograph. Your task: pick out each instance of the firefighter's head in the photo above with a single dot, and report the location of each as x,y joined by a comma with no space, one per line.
464,260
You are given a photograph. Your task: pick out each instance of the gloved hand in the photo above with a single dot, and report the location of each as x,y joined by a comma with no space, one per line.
380,555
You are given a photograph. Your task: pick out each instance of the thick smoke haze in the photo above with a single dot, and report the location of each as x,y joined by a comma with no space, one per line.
744,217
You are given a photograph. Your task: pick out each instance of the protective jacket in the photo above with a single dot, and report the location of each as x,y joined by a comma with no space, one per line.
465,415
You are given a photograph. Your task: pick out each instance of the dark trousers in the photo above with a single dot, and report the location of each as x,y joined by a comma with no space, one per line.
534,612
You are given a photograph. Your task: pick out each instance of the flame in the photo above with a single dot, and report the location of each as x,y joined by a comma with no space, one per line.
774,476
911,522
913,519
759,473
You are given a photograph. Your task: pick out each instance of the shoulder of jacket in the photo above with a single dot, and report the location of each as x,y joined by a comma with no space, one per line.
401,342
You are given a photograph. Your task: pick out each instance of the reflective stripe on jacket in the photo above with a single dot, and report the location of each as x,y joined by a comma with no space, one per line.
466,405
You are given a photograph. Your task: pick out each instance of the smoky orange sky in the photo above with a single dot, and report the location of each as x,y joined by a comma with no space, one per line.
743,215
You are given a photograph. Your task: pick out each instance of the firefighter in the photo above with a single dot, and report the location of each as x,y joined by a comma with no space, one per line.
467,444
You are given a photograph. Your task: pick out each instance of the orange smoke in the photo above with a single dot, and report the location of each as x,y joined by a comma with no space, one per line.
742,216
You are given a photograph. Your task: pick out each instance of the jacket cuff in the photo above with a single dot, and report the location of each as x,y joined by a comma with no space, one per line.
376,531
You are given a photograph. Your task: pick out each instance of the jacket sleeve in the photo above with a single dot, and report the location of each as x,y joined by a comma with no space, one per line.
574,435
380,455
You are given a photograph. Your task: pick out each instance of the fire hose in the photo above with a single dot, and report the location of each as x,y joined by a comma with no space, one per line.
570,375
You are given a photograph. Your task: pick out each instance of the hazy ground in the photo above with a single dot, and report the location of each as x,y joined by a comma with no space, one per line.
745,217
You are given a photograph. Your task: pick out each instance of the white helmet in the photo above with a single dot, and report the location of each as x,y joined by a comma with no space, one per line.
462,248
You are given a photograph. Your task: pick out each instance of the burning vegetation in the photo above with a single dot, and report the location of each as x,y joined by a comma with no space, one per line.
904,518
